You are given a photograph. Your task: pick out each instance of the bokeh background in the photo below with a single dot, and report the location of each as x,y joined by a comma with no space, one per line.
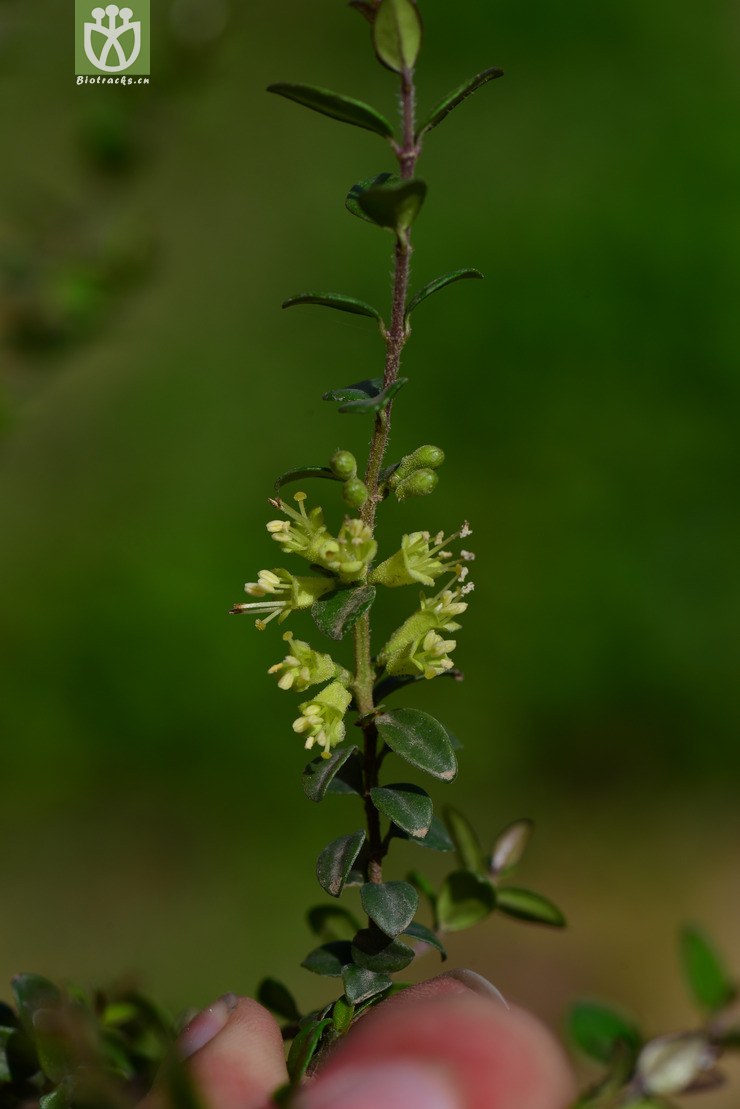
587,398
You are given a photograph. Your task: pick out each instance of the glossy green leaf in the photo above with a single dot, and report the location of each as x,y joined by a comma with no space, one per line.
342,108
336,861
373,950
390,905
598,1030
321,472
278,999
330,959
339,301
361,390
533,907
335,614
441,283
419,739
425,935
332,922
464,900
705,974
509,847
467,844
370,406
31,992
456,97
397,34
408,806
394,205
361,984
352,202
304,1047
319,774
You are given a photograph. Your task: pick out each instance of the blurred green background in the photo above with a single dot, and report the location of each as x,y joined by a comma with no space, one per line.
587,398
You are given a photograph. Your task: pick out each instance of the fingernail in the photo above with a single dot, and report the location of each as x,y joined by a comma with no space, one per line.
206,1025
478,984
393,1085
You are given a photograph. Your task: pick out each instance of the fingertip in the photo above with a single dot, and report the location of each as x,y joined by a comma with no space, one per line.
491,1057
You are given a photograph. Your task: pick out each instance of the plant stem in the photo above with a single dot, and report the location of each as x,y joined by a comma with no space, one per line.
408,153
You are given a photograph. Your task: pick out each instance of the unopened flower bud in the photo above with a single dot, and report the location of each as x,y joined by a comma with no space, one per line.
343,465
670,1064
355,493
423,458
420,484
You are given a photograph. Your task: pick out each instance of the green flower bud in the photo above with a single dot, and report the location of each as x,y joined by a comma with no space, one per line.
423,458
343,465
355,493
420,484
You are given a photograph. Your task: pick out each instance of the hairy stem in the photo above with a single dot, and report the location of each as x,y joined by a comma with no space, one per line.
396,336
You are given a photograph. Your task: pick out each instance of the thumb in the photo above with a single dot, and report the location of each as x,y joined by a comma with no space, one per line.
234,1054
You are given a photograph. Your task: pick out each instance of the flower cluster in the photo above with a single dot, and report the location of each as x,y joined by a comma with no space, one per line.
303,667
322,719
290,594
420,647
348,555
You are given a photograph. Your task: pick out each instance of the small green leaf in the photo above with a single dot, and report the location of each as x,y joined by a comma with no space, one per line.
319,774
332,104
373,950
419,739
278,999
390,905
707,978
510,847
341,1015
335,614
467,844
394,205
533,907
370,406
352,201
598,1031
330,959
464,900
302,472
361,984
397,34
339,301
359,391
408,806
441,283
332,922
31,992
425,935
446,105
336,861
304,1047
